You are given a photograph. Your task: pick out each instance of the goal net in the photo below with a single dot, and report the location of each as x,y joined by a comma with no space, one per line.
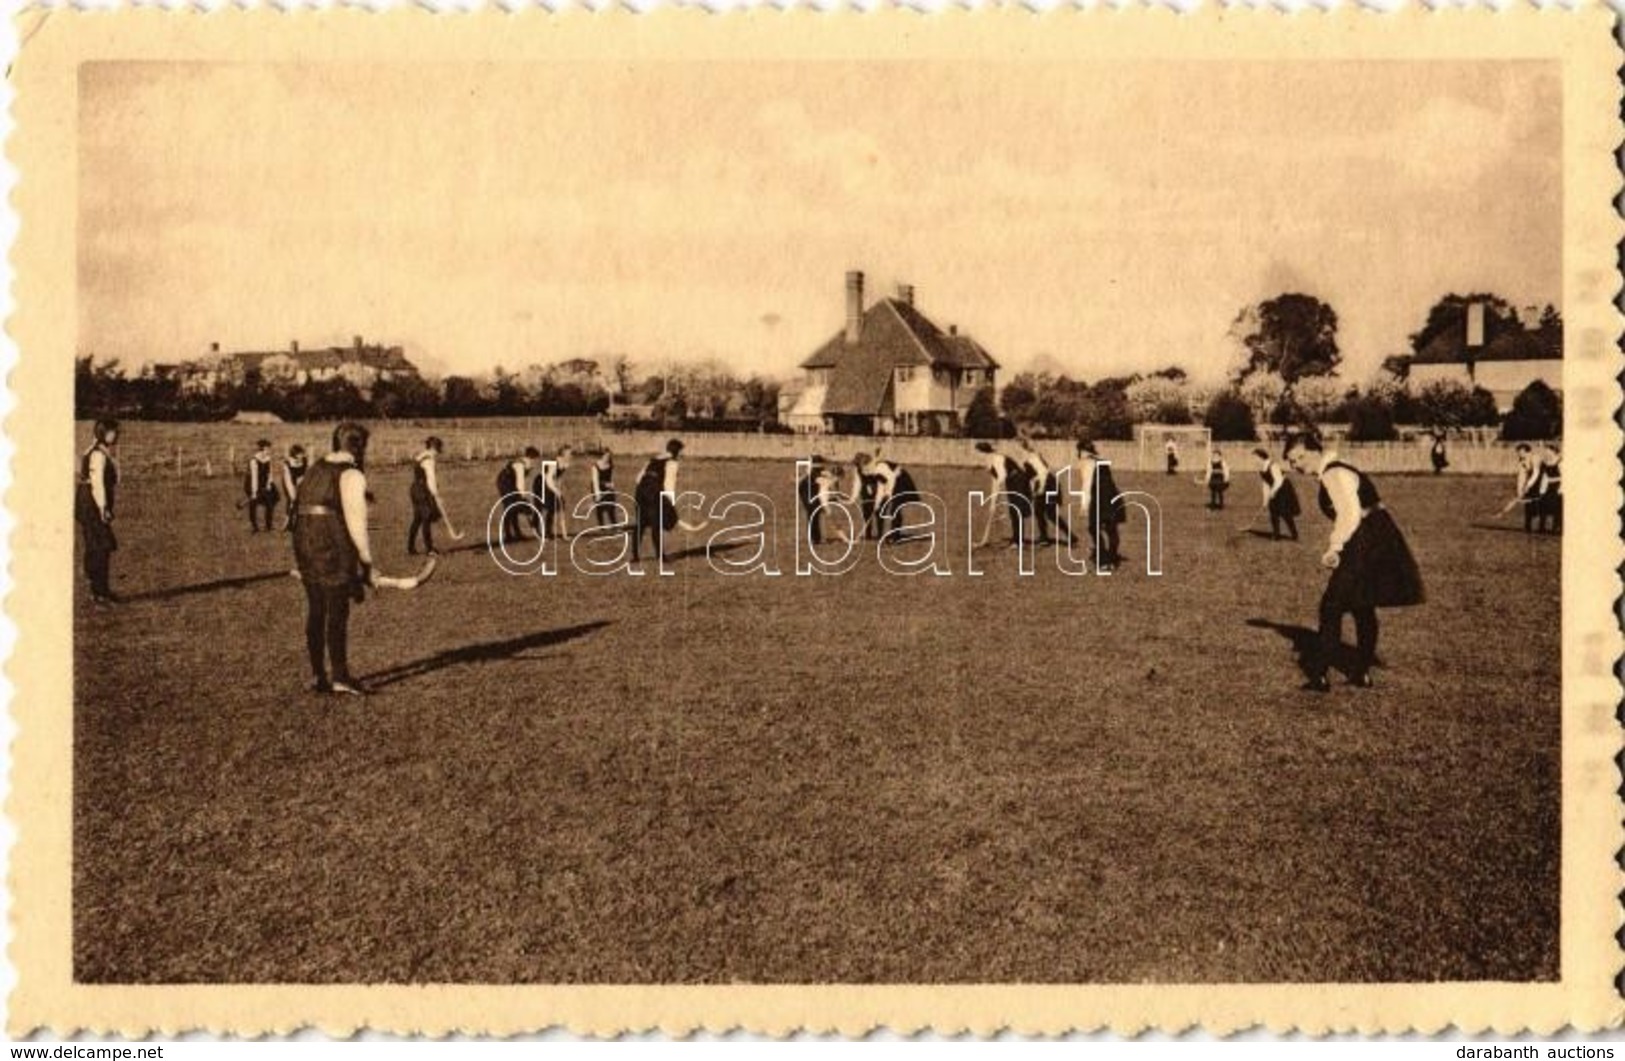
1192,445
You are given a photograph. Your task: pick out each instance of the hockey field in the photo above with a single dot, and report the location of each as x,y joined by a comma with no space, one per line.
866,778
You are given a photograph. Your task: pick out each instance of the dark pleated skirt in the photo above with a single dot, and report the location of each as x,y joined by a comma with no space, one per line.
1285,504
903,492
1376,569
653,506
423,506
323,550
99,536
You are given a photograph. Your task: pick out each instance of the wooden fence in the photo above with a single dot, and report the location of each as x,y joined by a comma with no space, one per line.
205,450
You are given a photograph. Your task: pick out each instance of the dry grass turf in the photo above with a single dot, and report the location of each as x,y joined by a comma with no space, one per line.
869,778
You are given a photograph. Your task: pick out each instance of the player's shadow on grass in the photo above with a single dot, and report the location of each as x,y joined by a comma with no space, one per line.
480,652
709,550
240,582
1268,536
1306,645
1513,530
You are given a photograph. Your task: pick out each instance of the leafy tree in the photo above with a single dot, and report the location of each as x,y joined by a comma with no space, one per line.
1398,366
1444,403
982,416
1319,396
671,408
1230,418
1019,396
761,399
1262,391
1537,413
98,389
1105,412
1482,410
1291,335
509,396
1450,403
1177,412
460,396
326,399
406,396
1155,397
1370,419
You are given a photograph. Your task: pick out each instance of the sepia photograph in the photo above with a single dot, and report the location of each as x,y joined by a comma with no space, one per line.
811,519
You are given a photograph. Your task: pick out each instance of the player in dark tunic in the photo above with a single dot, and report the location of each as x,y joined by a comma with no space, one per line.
866,488
894,491
1437,454
812,490
1217,480
548,489
1106,514
1551,488
510,484
334,555
259,484
603,490
1531,489
655,498
1280,496
294,466
1371,564
424,494
1046,487
93,498
1011,481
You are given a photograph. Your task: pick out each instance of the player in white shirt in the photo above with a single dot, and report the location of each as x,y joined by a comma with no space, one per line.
1371,565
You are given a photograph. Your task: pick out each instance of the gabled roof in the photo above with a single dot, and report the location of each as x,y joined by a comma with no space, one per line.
1450,349
310,360
391,359
970,352
893,335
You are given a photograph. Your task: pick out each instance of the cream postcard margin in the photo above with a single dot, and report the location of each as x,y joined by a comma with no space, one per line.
43,148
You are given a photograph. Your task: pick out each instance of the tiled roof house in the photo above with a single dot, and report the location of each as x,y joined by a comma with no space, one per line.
891,370
1504,365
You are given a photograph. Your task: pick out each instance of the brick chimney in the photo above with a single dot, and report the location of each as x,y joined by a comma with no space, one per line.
854,307
905,294
214,348
293,346
358,344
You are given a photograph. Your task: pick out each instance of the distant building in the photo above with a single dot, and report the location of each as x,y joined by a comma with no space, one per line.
1504,366
361,363
891,370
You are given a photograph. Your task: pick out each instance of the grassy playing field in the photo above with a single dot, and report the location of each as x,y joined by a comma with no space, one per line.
865,778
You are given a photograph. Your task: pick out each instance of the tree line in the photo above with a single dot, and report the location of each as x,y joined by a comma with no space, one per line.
692,396
1286,375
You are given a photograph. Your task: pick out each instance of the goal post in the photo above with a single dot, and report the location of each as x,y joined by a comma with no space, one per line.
1188,439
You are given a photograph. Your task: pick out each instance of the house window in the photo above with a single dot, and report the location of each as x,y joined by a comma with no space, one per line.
905,375
970,377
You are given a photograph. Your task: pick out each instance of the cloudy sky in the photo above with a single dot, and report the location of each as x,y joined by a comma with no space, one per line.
1095,217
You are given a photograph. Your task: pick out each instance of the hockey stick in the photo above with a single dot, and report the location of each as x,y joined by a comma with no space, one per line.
408,582
1250,524
401,582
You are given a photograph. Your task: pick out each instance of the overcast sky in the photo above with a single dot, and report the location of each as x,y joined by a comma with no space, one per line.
1103,217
